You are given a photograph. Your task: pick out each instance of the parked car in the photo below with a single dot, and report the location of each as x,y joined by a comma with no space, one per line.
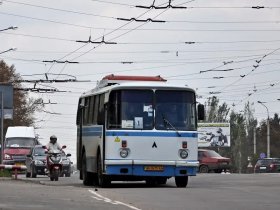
209,160
66,165
267,165
36,162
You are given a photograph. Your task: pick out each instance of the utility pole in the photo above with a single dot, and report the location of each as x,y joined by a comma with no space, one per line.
268,129
6,94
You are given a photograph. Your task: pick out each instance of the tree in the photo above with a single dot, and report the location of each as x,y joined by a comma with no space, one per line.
24,106
216,112
251,125
239,146
274,136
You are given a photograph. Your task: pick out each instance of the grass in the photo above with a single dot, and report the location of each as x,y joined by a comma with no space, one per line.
5,173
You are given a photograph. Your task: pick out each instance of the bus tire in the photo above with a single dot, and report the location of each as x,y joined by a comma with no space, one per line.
103,180
181,181
87,176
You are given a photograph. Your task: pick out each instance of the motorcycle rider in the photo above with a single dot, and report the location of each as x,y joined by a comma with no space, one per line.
52,146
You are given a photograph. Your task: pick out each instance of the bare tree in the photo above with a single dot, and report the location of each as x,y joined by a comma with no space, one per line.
24,106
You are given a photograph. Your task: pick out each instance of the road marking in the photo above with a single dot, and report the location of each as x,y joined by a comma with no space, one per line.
108,200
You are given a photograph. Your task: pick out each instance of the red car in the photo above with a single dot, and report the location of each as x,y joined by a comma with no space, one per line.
209,160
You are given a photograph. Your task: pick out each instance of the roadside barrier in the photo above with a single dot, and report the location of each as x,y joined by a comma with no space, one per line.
13,168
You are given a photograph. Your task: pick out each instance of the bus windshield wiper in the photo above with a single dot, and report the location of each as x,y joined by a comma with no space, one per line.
166,122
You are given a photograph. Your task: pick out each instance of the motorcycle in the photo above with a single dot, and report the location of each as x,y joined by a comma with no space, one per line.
54,160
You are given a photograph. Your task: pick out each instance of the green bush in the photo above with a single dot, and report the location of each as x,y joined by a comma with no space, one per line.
5,173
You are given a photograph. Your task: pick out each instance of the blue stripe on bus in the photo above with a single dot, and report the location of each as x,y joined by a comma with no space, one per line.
138,170
156,134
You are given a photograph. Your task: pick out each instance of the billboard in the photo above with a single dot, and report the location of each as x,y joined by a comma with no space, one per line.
213,134
7,91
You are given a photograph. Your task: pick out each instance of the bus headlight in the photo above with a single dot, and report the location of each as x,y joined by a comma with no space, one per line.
124,153
184,153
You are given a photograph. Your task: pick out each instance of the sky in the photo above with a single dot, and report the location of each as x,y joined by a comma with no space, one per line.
224,48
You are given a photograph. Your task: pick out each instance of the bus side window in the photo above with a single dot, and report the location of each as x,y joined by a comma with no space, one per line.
101,113
95,111
85,117
79,111
90,112
114,110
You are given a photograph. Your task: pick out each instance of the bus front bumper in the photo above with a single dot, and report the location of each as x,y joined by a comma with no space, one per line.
151,168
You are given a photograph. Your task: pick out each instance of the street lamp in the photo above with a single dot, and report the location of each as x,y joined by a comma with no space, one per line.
11,49
9,28
268,129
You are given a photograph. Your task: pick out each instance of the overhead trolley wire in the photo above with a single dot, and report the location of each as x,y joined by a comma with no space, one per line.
60,10
129,19
115,3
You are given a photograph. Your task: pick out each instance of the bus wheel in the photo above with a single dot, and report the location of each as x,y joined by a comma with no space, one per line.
87,176
181,181
103,180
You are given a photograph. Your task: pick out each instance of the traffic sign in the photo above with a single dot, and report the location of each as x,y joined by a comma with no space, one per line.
262,155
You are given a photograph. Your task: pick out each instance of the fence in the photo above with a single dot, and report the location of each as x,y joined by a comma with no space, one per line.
13,168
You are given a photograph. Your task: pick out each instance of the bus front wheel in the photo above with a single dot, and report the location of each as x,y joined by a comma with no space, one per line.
88,178
103,180
181,181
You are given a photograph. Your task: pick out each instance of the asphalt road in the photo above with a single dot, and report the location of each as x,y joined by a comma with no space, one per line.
205,191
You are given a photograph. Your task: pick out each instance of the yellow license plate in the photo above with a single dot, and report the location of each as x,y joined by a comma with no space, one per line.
153,168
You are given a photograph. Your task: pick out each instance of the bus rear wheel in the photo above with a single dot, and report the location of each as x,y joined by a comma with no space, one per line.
181,181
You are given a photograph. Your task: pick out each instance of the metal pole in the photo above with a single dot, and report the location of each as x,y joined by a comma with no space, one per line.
268,138
2,128
268,130
255,142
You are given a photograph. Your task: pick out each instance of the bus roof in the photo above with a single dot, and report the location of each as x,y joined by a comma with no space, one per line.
110,82
118,79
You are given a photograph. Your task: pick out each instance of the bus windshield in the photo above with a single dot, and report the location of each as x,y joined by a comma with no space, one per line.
131,109
148,109
175,110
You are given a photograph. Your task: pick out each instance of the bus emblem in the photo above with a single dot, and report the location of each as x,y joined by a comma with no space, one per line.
154,145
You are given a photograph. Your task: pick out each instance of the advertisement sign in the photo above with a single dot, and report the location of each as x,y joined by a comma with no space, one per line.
213,134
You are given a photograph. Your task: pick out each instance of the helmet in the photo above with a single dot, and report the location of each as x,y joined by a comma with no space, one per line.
219,130
53,139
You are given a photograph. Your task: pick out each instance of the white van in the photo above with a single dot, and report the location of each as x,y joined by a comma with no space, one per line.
18,142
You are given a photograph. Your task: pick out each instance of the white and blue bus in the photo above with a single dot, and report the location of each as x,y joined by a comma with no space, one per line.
137,128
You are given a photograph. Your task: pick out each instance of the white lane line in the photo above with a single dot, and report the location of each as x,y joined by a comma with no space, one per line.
108,200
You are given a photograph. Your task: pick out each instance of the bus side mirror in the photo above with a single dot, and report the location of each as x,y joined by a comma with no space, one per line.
200,112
